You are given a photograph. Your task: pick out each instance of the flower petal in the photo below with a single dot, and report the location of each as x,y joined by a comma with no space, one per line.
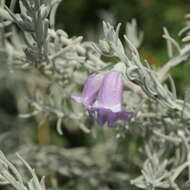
90,90
124,114
107,115
110,93
102,116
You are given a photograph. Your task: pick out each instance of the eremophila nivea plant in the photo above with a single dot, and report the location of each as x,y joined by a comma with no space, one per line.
127,95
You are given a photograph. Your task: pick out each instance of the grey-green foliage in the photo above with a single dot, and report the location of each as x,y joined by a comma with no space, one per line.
58,61
136,72
53,65
10,175
154,174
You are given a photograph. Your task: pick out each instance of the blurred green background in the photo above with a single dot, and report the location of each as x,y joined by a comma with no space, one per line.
83,16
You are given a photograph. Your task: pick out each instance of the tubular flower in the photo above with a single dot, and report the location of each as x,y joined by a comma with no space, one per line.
103,95
108,104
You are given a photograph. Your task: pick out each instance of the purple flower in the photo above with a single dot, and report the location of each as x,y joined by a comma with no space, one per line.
90,90
108,104
103,95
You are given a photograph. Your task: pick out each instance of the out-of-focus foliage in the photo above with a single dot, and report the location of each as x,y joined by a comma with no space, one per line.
152,15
